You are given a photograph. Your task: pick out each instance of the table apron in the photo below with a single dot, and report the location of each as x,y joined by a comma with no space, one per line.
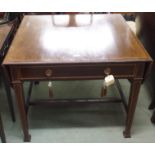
73,72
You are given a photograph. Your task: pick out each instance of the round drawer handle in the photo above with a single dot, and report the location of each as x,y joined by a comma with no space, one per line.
48,72
107,71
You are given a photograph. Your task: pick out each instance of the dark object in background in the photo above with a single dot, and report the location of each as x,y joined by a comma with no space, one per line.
7,31
145,24
8,25
7,17
130,17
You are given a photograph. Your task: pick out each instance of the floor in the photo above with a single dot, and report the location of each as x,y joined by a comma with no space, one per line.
93,123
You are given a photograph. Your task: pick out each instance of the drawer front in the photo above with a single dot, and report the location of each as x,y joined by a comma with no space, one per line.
75,72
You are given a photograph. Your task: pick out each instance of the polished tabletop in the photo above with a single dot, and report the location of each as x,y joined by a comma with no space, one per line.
54,39
4,31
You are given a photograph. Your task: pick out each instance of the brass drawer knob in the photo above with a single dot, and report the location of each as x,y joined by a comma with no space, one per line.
48,72
107,71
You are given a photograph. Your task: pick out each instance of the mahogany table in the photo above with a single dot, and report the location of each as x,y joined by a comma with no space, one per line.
80,48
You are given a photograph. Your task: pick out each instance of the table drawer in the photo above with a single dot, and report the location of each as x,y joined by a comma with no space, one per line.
76,72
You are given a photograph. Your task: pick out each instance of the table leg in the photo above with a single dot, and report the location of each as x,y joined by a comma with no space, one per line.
2,134
153,117
9,97
18,87
134,92
152,105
